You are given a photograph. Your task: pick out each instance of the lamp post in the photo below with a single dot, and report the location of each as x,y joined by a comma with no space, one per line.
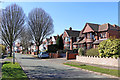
13,53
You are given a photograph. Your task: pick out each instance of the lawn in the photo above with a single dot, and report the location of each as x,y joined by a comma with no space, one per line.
10,70
94,68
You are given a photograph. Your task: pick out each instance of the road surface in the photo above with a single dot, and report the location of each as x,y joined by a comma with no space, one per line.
51,68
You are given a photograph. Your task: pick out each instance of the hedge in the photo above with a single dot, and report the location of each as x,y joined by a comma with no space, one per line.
92,52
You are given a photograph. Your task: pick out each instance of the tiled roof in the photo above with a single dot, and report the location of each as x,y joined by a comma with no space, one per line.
97,41
95,27
73,33
103,27
55,37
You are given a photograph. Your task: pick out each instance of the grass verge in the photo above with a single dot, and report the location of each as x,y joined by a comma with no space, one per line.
94,68
9,57
12,71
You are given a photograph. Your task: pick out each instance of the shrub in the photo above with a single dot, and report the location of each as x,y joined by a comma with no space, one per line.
92,52
109,48
81,51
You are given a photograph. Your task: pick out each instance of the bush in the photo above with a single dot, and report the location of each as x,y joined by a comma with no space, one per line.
109,48
81,51
92,52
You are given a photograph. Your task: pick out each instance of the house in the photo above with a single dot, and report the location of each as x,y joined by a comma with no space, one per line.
93,34
49,41
46,43
18,47
70,36
52,40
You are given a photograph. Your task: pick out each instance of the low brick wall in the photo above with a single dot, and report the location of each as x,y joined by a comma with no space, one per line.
54,55
71,55
100,61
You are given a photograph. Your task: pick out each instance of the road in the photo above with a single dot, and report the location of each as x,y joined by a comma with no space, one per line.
51,68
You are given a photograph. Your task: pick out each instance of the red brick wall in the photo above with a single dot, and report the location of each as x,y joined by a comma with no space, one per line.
71,55
54,55
114,33
71,44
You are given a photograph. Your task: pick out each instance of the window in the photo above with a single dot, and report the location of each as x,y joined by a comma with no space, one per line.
104,35
90,35
93,37
101,35
67,39
78,38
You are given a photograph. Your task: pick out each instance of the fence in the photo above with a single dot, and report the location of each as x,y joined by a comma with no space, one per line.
100,61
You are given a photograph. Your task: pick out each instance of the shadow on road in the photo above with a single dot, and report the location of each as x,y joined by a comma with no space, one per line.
45,72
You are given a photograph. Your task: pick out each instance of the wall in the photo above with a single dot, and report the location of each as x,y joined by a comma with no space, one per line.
54,55
100,61
71,55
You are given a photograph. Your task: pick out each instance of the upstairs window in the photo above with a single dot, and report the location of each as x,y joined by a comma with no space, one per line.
67,39
90,35
103,35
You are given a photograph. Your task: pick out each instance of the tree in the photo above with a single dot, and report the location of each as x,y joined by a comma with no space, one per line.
25,39
41,25
12,24
59,42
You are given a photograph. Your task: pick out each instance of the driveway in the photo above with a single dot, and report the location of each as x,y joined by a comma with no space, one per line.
51,68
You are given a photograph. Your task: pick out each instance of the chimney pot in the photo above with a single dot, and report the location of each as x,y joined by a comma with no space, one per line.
70,28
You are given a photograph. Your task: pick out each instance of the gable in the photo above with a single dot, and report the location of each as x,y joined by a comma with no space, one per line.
65,34
87,28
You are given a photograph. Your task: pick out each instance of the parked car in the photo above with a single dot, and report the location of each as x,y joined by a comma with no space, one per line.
43,55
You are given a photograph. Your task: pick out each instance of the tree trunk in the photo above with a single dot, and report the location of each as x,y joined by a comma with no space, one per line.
30,49
22,50
11,51
38,49
27,51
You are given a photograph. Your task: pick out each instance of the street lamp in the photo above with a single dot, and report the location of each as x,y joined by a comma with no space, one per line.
13,52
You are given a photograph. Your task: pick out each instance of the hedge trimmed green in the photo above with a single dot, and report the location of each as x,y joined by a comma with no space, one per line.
109,48
81,51
92,52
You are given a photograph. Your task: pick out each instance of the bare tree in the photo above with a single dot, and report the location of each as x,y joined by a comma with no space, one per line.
41,25
25,39
12,24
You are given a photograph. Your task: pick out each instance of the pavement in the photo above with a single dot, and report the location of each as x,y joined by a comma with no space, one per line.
51,68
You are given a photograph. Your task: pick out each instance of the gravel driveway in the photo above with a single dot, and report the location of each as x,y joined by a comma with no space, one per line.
51,68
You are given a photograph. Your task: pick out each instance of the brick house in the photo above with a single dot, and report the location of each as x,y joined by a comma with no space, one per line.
18,47
93,34
49,41
52,40
69,37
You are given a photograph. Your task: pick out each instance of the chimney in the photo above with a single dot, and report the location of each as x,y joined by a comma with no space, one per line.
114,25
70,28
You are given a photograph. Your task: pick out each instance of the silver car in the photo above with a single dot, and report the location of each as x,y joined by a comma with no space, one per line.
43,55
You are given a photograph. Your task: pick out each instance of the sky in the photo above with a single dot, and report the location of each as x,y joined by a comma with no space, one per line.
74,14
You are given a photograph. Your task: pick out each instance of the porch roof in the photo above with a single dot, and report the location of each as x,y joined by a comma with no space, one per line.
97,41
81,42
